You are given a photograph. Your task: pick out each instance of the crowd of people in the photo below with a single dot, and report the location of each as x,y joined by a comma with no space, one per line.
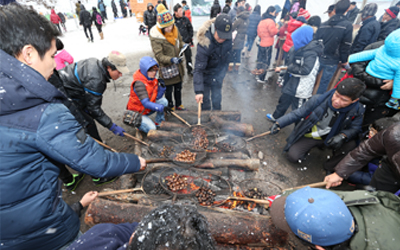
50,105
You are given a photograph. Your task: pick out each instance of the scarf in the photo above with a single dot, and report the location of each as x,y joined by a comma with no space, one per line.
171,36
342,114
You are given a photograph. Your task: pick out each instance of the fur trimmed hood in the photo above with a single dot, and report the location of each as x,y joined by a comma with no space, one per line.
155,33
201,34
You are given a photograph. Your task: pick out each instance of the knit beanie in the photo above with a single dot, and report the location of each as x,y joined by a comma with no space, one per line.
393,11
304,13
164,17
369,10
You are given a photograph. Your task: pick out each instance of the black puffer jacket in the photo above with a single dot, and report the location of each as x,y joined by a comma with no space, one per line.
373,96
88,93
367,34
226,9
387,28
336,34
254,20
185,28
215,9
240,25
150,17
85,18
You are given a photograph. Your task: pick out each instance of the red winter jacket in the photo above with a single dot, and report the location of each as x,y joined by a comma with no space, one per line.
292,26
54,18
267,30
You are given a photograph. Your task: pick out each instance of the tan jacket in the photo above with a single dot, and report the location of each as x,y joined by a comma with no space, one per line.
164,51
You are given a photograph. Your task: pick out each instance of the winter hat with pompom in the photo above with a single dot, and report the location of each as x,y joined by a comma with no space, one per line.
164,17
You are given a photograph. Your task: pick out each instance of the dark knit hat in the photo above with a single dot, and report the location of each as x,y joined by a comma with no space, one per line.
164,17
369,10
393,11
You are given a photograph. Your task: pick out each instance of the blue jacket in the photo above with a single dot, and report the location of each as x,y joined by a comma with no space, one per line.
212,58
254,20
36,129
312,112
367,34
385,62
105,236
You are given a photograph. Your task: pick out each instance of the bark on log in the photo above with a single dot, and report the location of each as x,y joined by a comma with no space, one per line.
172,126
227,155
191,116
159,135
241,229
247,164
239,129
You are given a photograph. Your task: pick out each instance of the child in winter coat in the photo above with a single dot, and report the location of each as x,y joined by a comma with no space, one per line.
62,58
384,64
303,65
98,21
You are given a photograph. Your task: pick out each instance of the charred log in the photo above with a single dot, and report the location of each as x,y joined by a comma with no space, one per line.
237,128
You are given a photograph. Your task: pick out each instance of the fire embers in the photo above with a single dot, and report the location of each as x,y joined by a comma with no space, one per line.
167,151
205,196
199,140
176,182
228,147
185,156
253,193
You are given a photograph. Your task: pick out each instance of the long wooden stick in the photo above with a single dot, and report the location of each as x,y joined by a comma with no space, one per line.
199,114
136,139
119,191
180,118
317,184
105,145
158,160
260,135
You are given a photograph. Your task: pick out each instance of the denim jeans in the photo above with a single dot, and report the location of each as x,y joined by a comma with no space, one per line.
329,70
147,123
264,59
250,42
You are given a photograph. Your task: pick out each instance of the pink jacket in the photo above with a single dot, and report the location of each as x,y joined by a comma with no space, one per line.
267,30
62,57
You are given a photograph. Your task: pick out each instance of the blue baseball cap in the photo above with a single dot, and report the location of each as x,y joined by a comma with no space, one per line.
315,215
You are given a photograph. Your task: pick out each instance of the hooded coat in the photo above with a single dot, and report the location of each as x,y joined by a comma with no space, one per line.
87,92
215,9
240,25
367,34
267,30
254,20
293,24
54,18
36,130
85,18
78,8
164,51
150,16
337,35
212,58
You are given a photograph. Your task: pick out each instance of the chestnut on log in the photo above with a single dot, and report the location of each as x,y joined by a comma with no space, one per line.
233,228
237,128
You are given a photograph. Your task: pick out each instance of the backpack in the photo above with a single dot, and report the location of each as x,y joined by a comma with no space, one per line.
98,19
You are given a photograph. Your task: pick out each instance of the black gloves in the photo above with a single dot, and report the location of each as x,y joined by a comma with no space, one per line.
275,128
168,110
337,141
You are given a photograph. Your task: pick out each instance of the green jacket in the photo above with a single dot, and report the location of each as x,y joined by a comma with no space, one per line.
164,51
377,215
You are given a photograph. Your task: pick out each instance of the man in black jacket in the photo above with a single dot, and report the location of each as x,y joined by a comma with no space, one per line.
212,59
215,9
150,17
85,82
85,19
331,119
336,34
389,22
369,30
352,13
227,6
186,30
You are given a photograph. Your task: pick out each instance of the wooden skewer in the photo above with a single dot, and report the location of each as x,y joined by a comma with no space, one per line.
260,135
199,114
105,145
180,118
317,184
119,191
136,139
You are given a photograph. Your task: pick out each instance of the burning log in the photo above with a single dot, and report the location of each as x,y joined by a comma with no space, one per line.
233,155
172,126
191,116
240,129
247,164
226,227
160,135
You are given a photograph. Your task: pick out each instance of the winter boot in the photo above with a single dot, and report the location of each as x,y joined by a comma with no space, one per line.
101,36
76,179
237,66
230,67
101,181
